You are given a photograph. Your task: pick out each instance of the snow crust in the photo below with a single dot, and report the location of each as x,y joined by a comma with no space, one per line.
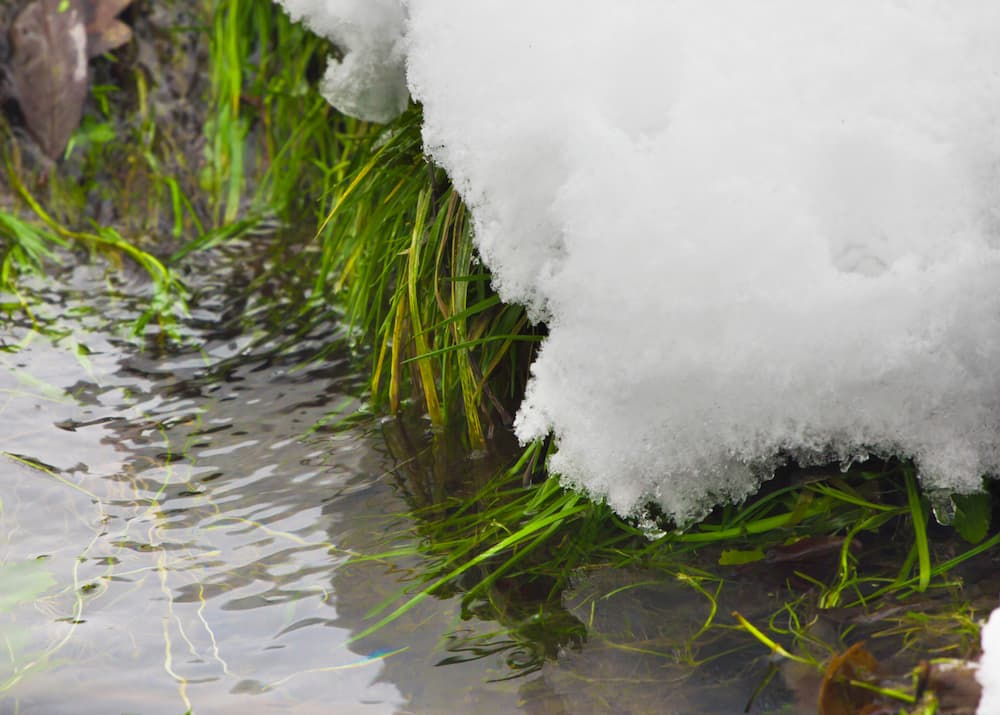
754,229
369,81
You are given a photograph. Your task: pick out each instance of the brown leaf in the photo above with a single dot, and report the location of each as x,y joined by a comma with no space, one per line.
48,70
112,37
837,696
104,32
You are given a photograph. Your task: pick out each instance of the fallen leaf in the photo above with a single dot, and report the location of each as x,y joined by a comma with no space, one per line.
104,31
48,70
837,696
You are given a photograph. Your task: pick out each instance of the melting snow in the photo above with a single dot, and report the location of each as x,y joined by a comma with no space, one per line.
754,229
369,80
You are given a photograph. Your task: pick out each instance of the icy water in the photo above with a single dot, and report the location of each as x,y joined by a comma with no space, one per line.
180,531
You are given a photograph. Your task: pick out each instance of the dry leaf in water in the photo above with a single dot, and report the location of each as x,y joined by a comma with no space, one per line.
104,31
48,70
837,696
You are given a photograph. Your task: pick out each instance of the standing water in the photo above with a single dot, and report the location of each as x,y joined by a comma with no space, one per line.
194,529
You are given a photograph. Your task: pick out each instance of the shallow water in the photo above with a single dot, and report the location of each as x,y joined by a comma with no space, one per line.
187,526
178,528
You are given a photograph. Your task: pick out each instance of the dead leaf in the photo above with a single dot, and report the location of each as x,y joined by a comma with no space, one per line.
48,70
837,696
104,31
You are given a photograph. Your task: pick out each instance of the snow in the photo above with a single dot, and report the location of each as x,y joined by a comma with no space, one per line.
369,81
988,673
755,230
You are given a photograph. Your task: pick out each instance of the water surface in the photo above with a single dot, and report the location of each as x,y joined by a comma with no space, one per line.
190,527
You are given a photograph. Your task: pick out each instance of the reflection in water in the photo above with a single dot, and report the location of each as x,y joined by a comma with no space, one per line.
184,529
189,519
197,528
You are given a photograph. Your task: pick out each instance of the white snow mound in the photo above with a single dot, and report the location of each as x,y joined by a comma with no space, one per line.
369,81
754,229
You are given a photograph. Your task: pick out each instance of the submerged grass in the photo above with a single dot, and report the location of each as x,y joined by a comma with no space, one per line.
397,251
841,548
393,250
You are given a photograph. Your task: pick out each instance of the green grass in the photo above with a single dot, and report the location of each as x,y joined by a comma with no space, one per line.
397,254
504,537
151,176
392,249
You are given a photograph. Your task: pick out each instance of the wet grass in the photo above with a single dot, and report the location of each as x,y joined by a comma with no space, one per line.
151,178
203,129
859,553
397,254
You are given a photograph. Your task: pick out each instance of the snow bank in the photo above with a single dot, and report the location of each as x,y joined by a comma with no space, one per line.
369,81
754,229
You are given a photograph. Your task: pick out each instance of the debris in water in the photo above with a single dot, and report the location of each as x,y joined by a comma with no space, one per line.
839,693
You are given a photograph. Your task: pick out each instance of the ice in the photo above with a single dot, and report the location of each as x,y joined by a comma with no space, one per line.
369,81
756,231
